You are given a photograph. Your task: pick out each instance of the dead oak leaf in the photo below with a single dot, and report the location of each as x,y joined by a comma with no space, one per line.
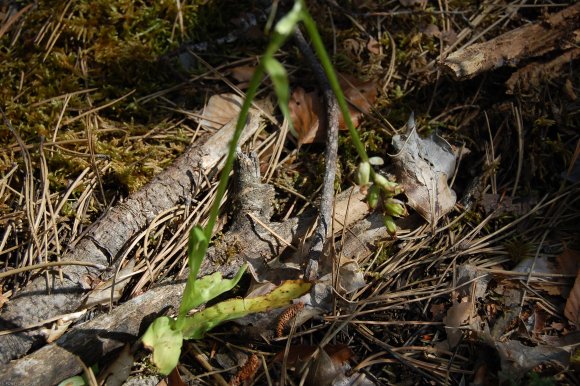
307,112
423,167
243,74
220,109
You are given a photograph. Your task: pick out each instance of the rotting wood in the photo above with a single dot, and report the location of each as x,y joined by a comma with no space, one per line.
108,238
558,31
530,76
93,339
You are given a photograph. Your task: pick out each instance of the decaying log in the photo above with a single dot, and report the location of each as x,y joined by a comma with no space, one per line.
252,241
40,300
559,31
533,74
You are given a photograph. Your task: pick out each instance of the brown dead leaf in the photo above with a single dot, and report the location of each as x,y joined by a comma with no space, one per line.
243,74
221,109
307,112
422,167
572,309
438,310
373,46
569,261
119,370
339,353
3,300
457,315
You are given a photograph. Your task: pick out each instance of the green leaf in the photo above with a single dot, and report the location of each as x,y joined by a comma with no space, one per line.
287,24
198,324
197,246
212,286
280,80
165,342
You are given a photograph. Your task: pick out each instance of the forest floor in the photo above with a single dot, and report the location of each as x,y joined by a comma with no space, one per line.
99,97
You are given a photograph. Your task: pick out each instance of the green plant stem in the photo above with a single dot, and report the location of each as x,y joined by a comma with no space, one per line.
274,45
318,45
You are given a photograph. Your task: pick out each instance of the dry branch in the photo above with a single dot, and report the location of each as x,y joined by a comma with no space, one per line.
556,32
323,230
40,300
91,340
530,76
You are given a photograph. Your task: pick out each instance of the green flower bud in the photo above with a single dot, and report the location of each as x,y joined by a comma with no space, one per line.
385,184
390,224
394,207
363,174
373,196
376,161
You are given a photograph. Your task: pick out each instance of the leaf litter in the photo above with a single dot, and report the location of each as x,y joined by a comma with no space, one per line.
498,306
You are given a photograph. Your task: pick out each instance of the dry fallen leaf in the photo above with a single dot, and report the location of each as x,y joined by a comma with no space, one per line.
243,74
373,46
572,309
307,112
569,261
221,109
117,372
457,315
422,167
517,359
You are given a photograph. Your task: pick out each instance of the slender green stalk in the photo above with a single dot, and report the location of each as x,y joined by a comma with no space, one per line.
225,174
333,80
274,45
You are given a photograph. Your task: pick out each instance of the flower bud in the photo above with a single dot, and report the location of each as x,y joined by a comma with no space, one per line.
363,174
373,196
395,207
390,224
385,184
376,161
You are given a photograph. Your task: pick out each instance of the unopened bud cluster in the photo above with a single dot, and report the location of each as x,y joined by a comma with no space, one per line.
381,190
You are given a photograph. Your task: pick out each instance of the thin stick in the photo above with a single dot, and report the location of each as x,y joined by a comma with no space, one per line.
327,197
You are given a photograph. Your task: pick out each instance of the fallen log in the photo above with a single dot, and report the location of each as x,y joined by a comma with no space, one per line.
40,300
558,31
93,339
533,74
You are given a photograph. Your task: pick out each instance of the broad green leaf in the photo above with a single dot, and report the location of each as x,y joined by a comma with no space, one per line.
198,324
287,24
165,342
211,286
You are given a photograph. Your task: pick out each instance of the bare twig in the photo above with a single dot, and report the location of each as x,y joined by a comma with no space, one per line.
327,197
